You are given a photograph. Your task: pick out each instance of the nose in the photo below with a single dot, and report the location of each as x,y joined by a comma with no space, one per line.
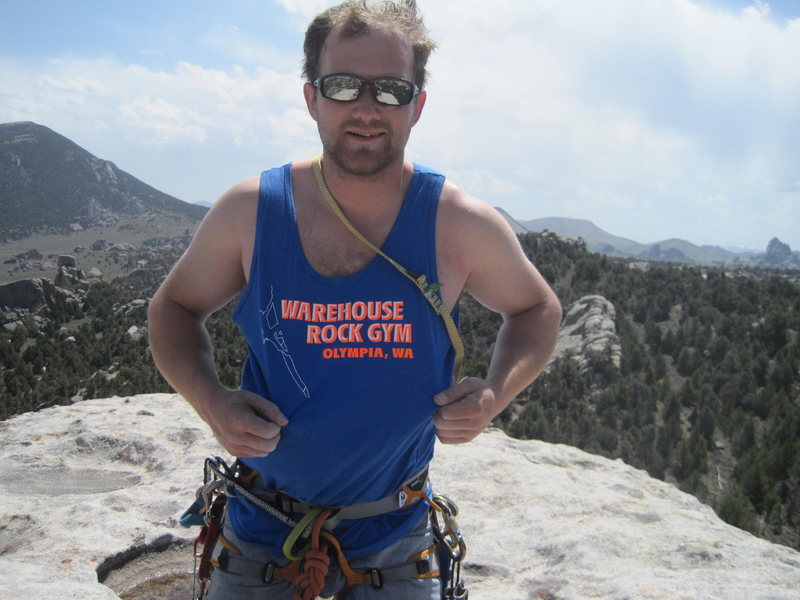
366,103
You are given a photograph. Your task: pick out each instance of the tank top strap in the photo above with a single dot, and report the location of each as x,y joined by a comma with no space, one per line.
412,241
275,208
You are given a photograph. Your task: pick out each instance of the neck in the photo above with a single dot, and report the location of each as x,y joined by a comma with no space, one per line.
356,193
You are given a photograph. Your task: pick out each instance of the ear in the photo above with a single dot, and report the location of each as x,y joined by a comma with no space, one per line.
310,94
420,100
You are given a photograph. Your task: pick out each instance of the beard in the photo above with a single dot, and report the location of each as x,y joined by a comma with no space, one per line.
362,160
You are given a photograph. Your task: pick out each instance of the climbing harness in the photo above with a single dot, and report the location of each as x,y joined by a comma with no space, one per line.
311,544
428,289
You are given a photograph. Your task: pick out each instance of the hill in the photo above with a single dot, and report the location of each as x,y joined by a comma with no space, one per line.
777,254
49,184
597,239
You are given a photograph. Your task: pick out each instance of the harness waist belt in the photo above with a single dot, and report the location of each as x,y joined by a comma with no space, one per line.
411,492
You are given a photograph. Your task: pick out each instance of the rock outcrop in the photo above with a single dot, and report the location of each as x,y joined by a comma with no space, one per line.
87,486
588,326
34,294
778,256
32,302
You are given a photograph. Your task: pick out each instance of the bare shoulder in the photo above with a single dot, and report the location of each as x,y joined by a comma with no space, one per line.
215,266
478,251
237,203
231,220
468,229
462,213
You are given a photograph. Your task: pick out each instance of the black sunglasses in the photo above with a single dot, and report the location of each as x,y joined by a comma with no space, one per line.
344,87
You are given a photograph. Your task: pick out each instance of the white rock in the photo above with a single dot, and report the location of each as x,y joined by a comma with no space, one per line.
82,483
588,326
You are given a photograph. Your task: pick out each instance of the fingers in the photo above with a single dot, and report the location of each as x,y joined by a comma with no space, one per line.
464,387
468,399
253,446
457,436
265,420
268,410
466,410
247,425
457,430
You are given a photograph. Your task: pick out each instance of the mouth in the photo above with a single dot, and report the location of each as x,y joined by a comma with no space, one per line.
365,135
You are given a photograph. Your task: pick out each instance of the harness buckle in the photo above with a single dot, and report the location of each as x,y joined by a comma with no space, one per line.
268,574
284,503
376,578
423,566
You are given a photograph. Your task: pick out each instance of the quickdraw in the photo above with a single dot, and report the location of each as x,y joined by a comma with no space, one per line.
452,548
309,545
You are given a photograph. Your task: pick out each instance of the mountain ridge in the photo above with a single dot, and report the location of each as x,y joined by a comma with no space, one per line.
49,184
777,254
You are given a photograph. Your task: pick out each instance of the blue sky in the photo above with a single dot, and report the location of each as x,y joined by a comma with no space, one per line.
652,118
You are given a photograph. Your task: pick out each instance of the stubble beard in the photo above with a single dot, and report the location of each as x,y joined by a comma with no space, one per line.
362,162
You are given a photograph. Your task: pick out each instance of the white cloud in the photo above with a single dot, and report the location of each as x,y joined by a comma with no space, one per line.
166,121
646,105
188,131
653,118
249,49
80,85
185,104
307,9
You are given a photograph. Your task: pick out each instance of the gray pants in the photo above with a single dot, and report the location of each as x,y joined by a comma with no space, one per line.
228,586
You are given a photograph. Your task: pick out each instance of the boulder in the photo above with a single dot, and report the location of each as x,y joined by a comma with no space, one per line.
65,260
588,326
70,278
33,294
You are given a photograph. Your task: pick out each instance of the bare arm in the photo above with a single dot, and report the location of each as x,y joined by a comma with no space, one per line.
497,273
206,277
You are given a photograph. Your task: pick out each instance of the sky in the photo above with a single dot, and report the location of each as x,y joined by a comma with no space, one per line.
654,119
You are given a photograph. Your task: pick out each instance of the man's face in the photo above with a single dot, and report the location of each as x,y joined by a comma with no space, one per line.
364,137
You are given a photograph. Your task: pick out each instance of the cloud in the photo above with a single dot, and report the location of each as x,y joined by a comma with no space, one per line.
252,50
650,105
307,9
166,121
185,104
190,131
653,118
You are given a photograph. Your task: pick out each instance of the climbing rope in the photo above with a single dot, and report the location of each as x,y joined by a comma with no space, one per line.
315,566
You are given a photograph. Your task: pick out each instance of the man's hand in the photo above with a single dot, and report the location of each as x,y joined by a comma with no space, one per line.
245,424
466,409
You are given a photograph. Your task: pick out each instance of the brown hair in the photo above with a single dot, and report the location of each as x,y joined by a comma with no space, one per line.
358,17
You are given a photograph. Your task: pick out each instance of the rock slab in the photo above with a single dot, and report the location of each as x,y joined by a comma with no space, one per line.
87,482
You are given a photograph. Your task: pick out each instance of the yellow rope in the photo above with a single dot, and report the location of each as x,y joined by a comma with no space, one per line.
428,290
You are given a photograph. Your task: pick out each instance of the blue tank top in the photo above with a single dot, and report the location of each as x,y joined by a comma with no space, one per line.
353,362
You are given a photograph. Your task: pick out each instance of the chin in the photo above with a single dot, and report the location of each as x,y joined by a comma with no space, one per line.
362,163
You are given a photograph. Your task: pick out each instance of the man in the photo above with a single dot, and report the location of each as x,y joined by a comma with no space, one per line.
348,376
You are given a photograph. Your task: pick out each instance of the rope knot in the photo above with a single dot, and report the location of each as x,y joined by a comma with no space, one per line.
312,579
315,564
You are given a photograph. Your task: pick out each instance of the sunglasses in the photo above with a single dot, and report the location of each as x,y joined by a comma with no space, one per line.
344,87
